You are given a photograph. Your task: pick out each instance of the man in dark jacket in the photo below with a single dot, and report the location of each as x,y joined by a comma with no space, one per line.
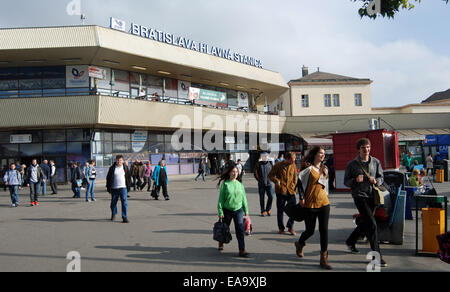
118,184
362,186
46,170
261,173
76,179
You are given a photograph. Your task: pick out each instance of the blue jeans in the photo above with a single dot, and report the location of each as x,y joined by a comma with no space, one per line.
76,189
282,201
90,189
202,174
238,218
35,189
14,192
262,189
44,187
115,195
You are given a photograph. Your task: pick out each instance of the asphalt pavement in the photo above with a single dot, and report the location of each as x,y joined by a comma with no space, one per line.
176,235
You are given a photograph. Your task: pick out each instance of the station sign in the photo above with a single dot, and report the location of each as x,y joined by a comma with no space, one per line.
180,41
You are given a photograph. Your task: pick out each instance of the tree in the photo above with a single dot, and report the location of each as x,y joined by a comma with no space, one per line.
388,7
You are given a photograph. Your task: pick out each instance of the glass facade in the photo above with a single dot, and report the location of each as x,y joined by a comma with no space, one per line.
31,82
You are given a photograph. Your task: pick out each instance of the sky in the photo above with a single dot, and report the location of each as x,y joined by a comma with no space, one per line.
408,57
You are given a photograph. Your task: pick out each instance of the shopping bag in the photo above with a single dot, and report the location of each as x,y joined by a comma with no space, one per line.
221,232
248,228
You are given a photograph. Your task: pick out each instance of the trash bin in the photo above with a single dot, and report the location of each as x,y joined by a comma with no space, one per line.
433,224
439,177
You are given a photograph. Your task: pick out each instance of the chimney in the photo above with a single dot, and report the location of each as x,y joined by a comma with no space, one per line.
305,71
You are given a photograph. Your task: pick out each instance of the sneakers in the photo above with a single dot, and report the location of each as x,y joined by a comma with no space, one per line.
125,220
36,203
269,213
282,232
263,214
352,248
383,264
292,232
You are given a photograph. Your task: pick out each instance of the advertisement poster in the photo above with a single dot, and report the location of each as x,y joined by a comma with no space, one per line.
208,97
242,99
139,140
183,89
77,76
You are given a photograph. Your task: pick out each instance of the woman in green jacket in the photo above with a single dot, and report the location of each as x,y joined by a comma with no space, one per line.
232,205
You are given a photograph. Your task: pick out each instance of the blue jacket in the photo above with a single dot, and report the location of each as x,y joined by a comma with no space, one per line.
156,174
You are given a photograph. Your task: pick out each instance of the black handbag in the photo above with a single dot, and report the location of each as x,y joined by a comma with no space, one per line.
221,232
295,212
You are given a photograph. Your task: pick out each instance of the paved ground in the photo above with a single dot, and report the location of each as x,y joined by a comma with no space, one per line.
176,235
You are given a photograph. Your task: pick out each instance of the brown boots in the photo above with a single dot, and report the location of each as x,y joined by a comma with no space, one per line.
323,255
324,261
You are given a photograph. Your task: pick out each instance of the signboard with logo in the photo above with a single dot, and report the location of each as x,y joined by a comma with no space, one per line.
242,99
118,24
97,72
77,76
139,139
208,97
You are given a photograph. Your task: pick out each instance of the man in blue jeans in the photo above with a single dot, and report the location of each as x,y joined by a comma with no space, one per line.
261,174
34,178
118,184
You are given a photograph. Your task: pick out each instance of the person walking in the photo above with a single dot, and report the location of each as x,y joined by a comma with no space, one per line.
13,180
313,190
76,179
241,170
91,174
147,176
261,173
232,205
429,164
22,170
135,174
46,170
34,177
53,178
362,193
284,176
161,179
118,184
201,169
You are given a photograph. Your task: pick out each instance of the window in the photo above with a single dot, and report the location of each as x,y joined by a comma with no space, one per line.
327,100
336,100
305,100
358,99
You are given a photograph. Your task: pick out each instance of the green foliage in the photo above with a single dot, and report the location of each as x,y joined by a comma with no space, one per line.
389,7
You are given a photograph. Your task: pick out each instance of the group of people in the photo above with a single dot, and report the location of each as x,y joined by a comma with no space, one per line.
34,176
311,183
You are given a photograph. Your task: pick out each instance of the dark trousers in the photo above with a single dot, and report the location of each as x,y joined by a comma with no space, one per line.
53,184
35,188
282,201
147,180
263,190
137,182
323,214
367,225
164,188
238,218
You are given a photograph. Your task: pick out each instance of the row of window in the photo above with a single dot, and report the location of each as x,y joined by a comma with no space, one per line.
332,100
